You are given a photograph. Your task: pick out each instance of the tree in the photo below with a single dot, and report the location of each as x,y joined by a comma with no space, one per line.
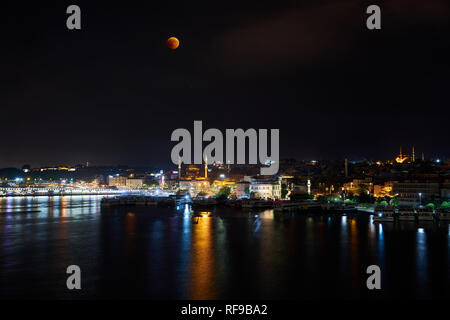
365,198
223,193
445,204
284,191
362,189
394,202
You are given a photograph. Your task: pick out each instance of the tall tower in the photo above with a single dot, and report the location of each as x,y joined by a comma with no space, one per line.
206,167
346,167
413,155
401,155
309,186
179,168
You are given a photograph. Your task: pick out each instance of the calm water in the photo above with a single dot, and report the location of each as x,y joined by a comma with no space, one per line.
162,253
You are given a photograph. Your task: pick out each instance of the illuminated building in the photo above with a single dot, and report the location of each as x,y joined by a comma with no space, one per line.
242,189
134,183
263,189
403,158
194,187
355,185
383,190
412,192
192,182
119,182
219,184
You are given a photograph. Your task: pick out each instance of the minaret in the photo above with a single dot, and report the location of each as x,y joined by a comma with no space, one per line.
179,168
206,167
413,155
423,157
346,167
401,155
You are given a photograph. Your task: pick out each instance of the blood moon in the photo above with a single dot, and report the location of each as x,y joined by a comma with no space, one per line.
173,43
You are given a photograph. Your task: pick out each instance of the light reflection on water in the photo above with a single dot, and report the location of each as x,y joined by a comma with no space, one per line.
215,254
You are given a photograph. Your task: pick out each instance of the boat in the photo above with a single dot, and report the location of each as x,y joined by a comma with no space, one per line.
203,202
296,205
151,201
338,208
349,208
141,201
253,203
286,205
384,214
406,213
109,202
425,213
166,202
180,199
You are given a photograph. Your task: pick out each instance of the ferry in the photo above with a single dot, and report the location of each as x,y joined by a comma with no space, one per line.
425,213
339,208
406,213
180,199
296,205
203,202
348,208
141,201
253,203
109,202
384,214
286,205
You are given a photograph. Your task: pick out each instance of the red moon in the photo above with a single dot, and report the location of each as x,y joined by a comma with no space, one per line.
173,43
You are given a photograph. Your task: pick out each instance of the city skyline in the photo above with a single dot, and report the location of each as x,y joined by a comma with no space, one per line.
405,154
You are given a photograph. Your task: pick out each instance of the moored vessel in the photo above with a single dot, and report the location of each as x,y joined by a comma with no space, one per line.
406,213
384,214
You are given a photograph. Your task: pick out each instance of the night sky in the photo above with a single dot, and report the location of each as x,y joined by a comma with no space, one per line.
112,92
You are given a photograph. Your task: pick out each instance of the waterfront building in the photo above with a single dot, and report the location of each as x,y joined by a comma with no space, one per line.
118,182
192,182
445,190
413,192
242,189
383,190
265,189
134,183
194,187
355,185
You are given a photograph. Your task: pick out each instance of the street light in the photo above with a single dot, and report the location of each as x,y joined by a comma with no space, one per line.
420,198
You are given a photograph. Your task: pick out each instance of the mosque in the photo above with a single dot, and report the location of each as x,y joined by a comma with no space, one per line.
404,158
192,181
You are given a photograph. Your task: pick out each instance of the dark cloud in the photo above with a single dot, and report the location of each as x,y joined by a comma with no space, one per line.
314,33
